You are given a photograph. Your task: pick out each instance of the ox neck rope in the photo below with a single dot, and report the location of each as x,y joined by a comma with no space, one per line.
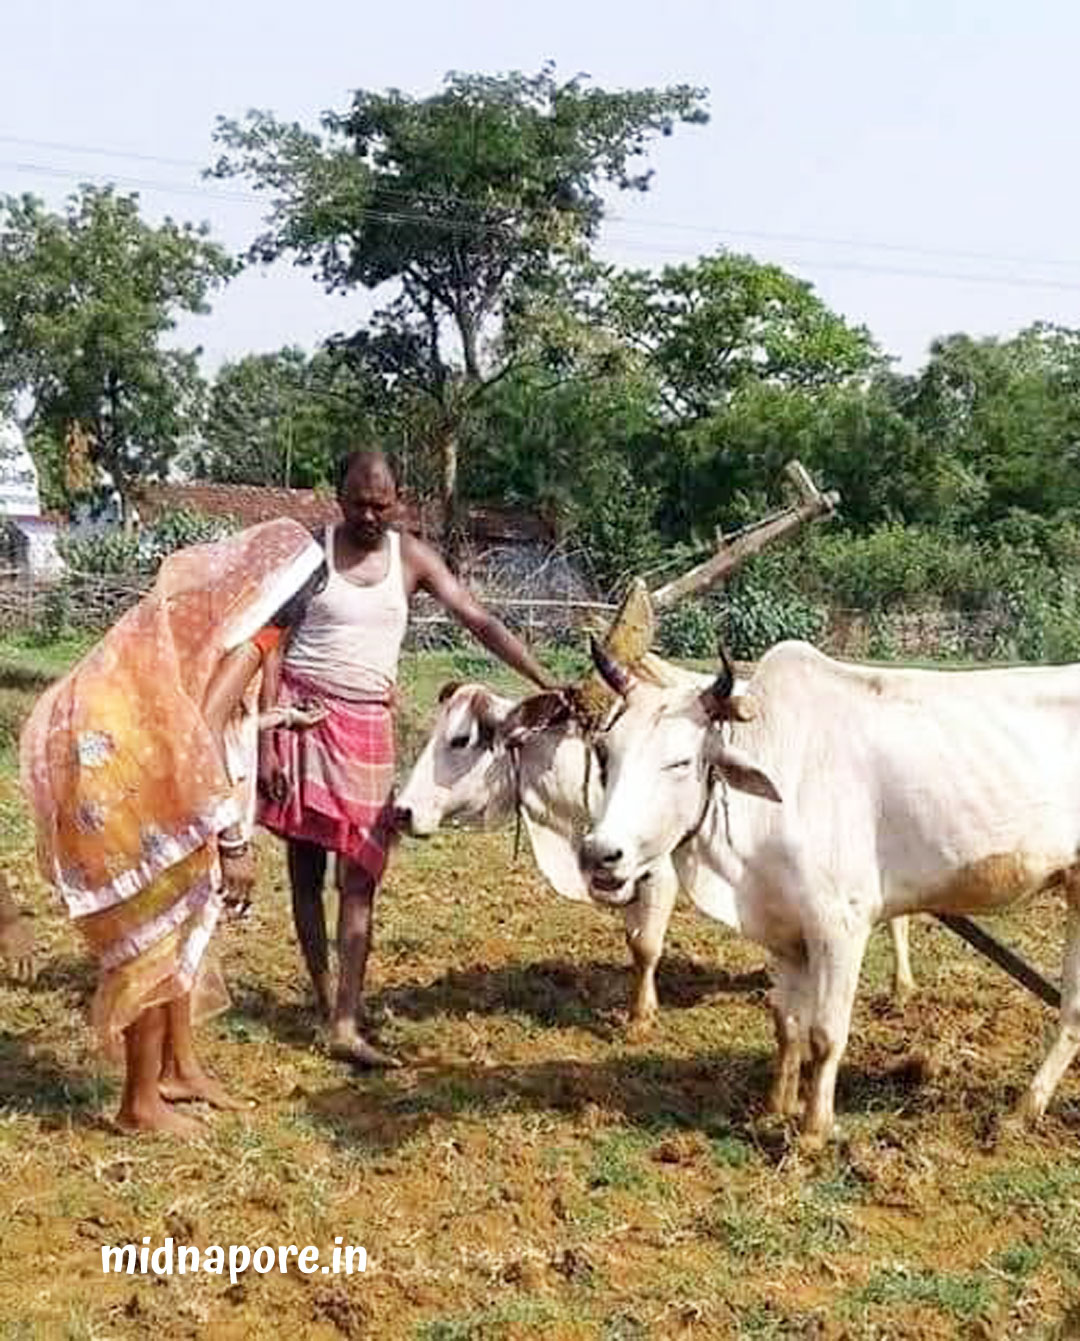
713,776
514,753
711,779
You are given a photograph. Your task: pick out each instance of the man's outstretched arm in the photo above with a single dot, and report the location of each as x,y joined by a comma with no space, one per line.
433,576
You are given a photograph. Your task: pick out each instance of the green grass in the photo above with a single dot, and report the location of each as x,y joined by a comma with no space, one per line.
523,1311
962,1296
1038,1188
26,656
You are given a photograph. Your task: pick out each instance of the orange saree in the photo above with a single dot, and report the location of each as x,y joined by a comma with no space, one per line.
128,785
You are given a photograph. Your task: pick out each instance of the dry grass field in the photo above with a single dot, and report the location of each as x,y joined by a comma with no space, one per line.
533,1171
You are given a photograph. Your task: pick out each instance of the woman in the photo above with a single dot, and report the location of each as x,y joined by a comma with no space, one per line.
140,766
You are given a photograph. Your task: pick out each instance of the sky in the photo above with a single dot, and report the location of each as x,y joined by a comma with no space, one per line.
915,161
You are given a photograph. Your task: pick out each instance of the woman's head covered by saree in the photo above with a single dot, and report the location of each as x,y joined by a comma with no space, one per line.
235,586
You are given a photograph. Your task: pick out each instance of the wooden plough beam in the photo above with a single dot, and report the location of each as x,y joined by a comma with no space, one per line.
735,549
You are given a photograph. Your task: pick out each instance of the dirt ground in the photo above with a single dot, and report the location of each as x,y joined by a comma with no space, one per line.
533,1170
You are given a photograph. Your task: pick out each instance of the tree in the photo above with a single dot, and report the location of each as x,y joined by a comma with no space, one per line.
86,297
473,204
726,322
1008,414
284,419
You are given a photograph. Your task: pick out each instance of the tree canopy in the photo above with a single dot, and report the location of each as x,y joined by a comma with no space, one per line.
86,297
472,205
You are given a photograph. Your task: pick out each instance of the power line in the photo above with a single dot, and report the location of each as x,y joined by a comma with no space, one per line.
466,226
131,154
648,225
135,183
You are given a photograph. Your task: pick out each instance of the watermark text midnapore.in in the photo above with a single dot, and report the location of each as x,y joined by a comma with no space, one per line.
170,1258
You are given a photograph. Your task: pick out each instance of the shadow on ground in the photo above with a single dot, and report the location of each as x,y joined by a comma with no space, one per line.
36,1081
558,992
721,1094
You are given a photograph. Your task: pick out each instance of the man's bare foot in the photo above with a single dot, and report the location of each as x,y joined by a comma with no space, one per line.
346,1044
177,1087
158,1117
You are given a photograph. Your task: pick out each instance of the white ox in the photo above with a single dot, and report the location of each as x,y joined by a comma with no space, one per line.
467,772
899,792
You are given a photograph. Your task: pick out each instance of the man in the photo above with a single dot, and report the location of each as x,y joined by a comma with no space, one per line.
328,789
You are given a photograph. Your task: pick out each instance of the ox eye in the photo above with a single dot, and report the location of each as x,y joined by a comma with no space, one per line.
460,742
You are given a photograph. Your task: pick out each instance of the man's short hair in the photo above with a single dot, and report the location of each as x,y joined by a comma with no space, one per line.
367,456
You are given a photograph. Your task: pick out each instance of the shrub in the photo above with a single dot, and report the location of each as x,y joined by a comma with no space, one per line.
54,616
758,615
690,629
141,552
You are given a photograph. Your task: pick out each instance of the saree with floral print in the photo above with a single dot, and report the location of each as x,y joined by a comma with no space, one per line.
128,783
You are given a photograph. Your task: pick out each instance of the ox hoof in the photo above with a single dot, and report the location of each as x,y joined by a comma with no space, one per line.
1029,1112
640,1027
787,1109
813,1142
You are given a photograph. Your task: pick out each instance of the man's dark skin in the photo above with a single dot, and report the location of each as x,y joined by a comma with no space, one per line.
369,505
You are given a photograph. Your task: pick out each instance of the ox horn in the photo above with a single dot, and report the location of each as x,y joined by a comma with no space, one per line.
718,700
725,682
613,674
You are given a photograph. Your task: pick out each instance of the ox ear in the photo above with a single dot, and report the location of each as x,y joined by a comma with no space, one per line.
741,772
734,708
533,715
448,690
557,858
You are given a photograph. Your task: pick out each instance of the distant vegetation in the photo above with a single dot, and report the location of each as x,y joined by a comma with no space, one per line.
636,410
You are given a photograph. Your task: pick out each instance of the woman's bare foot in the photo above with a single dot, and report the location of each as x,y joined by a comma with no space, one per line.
177,1087
346,1044
158,1117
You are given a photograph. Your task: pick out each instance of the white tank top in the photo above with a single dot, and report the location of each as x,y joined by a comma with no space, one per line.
351,636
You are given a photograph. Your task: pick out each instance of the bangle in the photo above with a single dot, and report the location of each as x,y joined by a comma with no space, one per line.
232,847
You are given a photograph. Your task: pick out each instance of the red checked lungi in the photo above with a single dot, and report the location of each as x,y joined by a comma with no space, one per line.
331,784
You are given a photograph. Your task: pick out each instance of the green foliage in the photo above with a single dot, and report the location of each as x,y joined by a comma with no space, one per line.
86,297
475,203
54,621
758,609
1008,413
894,566
760,613
728,322
690,629
139,553
961,1296
617,524
1047,624
285,419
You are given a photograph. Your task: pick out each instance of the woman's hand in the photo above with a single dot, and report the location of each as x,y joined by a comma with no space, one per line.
238,877
17,946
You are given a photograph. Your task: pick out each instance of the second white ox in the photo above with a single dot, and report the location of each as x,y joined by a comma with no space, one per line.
487,755
854,795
